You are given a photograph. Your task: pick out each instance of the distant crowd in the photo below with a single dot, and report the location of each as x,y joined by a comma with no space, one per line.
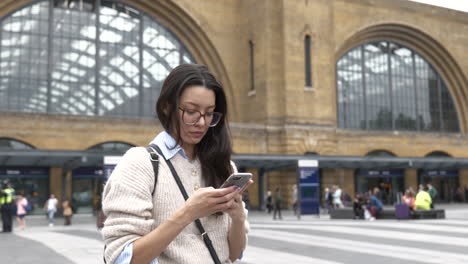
370,205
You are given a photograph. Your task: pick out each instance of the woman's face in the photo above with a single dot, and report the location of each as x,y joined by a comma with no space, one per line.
193,99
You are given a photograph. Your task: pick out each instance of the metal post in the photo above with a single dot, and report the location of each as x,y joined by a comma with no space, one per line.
49,56
364,88
261,188
97,42
140,64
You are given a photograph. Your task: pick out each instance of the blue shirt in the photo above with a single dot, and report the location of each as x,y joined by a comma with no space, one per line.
166,143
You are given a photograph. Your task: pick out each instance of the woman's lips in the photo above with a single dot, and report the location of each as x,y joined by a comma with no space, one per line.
196,134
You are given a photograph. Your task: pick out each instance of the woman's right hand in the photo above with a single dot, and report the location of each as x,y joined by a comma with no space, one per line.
207,201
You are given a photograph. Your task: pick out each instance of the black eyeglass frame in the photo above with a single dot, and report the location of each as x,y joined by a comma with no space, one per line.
201,115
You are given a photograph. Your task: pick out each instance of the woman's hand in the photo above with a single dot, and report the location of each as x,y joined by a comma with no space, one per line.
207,201
236,211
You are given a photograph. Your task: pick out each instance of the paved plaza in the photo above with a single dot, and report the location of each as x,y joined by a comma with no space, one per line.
312,239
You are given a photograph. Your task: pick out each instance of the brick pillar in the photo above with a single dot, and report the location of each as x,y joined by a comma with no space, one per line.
55,183
254,189
411,179
68,186
463,180
341,177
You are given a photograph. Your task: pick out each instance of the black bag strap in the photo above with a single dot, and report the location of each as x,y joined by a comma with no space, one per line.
199,225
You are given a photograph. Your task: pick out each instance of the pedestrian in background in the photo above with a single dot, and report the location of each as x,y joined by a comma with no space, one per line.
21,212
278,200
294,199
6,203
466,193
433,193
50,207
375,205
67,211
423,199
269,202
337,192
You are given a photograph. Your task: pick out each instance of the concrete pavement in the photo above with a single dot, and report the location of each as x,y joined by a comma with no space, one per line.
309,240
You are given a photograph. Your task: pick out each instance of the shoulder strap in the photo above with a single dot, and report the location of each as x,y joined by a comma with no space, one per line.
199,225
155,161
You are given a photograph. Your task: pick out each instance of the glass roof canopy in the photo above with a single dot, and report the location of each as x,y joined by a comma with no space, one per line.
82,57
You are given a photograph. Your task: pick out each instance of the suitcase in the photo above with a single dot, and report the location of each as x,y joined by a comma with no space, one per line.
402,211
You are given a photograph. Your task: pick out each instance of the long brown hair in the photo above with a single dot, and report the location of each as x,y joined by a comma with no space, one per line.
214,150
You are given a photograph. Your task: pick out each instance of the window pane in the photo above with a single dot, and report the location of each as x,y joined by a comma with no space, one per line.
396,89
123,85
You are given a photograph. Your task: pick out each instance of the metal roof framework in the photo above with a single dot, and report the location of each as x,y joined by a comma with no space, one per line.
267,162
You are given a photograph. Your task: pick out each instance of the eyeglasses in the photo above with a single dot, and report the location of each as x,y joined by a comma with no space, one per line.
191,117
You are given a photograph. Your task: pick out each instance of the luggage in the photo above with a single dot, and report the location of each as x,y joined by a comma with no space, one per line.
402,211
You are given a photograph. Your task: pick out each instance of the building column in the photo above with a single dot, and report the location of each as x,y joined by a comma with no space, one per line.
463,181
341,177
56,183
411,179
68,185
261,188
254,189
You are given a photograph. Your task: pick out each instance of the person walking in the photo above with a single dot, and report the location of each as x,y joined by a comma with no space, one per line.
337,192
21,212
6,202
433,193
269,202
67,211
50,207
278,200
294,199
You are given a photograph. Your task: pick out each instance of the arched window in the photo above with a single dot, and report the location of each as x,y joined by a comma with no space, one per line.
12,144
114,147
380,153
386,86
85,57
439,154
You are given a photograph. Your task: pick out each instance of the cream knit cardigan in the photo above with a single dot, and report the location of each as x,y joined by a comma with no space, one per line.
132,212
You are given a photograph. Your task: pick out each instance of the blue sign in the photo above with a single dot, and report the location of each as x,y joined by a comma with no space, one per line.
24,173
382,173
109,164
309,186
440,173
82,173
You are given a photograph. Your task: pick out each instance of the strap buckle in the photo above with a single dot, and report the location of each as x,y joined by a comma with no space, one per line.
153,155
204,234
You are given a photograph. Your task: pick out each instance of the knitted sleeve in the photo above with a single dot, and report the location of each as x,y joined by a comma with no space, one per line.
127,202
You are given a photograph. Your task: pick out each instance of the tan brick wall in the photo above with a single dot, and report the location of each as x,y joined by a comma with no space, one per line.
411,179
281,117
55,183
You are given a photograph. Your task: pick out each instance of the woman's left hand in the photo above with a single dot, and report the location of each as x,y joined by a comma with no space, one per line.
236,211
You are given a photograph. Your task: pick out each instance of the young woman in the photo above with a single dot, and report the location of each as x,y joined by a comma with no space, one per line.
147,227
21,212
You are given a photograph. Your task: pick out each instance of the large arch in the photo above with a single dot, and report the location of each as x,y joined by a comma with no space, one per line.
195,39
182,24
430,49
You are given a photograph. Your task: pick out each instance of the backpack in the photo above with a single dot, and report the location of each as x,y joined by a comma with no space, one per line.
28,207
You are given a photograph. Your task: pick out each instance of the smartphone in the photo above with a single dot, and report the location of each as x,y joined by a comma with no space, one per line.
239,179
